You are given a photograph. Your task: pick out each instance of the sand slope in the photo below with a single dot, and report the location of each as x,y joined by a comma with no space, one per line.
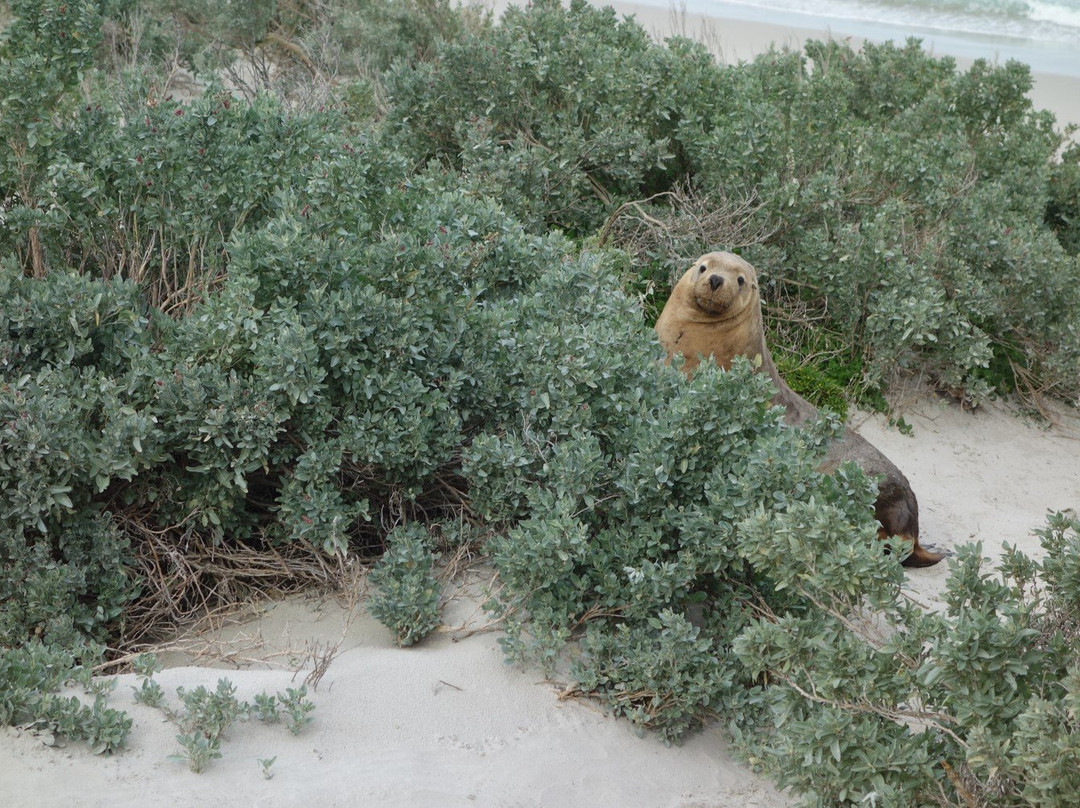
989,475
443,724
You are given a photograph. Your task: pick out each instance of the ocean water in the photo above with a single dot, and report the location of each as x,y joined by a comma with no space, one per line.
1043,33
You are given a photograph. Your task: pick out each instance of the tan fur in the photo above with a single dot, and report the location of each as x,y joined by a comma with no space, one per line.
715,311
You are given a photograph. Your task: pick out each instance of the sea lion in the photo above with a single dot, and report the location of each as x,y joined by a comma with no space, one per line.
715,311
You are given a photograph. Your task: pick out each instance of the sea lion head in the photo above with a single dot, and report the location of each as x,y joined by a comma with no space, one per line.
721,285
714,311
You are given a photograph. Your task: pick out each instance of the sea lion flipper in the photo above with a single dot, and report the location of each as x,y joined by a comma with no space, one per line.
921,557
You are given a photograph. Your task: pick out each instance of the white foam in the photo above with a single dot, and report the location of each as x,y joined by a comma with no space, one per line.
1065,16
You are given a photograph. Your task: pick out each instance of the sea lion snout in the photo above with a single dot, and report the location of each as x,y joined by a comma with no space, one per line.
716,281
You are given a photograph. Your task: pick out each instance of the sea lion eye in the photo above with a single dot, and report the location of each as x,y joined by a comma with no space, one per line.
701,269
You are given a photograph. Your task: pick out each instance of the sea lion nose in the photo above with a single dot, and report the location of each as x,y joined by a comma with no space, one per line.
715,282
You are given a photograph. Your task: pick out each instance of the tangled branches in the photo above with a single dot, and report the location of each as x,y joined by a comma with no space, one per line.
675,226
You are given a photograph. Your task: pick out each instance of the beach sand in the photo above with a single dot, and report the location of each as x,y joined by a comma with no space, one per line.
448,723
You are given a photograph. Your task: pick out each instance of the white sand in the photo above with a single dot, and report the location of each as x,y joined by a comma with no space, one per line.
449,724
443,724
989,475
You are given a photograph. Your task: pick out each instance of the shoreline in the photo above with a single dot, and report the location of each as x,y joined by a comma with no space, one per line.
739,38
1043,56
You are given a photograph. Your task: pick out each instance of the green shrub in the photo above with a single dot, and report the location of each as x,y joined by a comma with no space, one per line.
558,112
370,36
625,489
32,676
407,593
158,197
905,199
44,52
662,673
876,212
248,331
206,715
70,430
870,695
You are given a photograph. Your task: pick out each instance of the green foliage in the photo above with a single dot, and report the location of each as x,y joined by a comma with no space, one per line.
823,386
146,664
33,676
206,715
256,43
149,693
558,113
265,708
232,326
198,750
293,702
44,52
625,489
905,199
68,431
1063,209
374,35
299,710
157,198
871,695
406,599
211,712
661,674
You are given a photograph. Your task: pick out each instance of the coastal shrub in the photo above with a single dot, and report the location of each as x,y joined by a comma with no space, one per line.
33,676
1063,212
205,716
874,699
560,113
235,334
154,194
406,597
326,381
70,429
914,208
624,488
368,37
273,47
914,204
44,51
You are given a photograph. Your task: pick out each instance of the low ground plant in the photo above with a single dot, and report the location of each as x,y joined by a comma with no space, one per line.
204,716
34,676
406,596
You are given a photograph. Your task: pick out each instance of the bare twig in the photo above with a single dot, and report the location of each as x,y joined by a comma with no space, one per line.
954,778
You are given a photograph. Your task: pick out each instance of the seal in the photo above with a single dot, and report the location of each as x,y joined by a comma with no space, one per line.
714,312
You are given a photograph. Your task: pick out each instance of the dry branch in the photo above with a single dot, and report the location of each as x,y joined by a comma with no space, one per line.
676,226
